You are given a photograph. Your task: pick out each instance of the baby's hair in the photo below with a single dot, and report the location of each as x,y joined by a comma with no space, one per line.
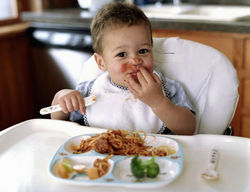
115,15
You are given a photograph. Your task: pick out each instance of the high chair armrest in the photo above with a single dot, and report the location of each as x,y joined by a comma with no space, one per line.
228,130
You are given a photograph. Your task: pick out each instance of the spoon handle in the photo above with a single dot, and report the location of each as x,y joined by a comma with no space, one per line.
213,159
54,108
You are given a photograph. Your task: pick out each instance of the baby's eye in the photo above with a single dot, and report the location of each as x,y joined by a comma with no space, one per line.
122,54
143,51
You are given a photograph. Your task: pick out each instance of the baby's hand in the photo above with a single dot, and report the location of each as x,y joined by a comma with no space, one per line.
148,88
70,100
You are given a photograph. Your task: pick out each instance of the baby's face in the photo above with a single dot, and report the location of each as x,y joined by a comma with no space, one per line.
125,50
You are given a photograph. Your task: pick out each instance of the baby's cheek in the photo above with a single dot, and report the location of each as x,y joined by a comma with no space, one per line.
119,68
123,67
149,69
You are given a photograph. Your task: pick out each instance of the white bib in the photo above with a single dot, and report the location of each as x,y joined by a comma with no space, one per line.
116,108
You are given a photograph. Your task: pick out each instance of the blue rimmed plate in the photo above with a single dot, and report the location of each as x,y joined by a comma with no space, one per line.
119,173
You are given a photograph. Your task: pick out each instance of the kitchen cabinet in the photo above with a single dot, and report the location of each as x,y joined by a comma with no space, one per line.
16,91
236,46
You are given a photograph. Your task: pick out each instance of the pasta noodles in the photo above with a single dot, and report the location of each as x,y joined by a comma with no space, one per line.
121,142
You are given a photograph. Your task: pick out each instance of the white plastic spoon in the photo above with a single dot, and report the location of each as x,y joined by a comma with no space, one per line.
54,108
211,174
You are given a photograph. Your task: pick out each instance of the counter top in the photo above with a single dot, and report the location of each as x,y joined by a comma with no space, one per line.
79,19
14,28
59,18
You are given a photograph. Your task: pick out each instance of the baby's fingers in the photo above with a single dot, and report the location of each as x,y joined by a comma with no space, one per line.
156,78
63,104
81,104
133,83
69,104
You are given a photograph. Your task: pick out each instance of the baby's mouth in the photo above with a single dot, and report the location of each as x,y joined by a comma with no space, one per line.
134,75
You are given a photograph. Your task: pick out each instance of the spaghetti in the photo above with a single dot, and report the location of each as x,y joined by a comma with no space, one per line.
121,142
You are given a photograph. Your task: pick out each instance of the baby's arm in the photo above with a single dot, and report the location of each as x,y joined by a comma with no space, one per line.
178,119
69,100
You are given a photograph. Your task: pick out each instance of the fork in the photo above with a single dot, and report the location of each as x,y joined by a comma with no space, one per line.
54,108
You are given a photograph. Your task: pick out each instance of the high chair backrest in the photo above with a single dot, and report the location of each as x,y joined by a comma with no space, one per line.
207,76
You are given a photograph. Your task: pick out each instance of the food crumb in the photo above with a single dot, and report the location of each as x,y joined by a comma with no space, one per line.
109,180
175,157
63,154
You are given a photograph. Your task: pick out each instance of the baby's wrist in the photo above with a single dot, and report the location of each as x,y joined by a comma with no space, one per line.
157,104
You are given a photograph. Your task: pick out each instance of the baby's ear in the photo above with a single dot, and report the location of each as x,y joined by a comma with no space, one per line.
100,62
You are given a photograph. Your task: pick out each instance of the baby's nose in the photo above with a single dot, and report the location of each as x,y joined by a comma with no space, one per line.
136,61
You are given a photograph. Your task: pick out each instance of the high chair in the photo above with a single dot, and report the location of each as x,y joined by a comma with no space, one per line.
208,77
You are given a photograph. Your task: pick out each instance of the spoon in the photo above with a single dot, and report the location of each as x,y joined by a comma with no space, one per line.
54,108
211,174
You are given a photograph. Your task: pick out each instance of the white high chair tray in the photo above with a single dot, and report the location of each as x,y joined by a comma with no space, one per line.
26,150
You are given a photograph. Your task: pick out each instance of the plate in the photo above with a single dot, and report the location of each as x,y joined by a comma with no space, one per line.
119,173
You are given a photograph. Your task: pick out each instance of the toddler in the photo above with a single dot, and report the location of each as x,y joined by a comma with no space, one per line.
131,94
